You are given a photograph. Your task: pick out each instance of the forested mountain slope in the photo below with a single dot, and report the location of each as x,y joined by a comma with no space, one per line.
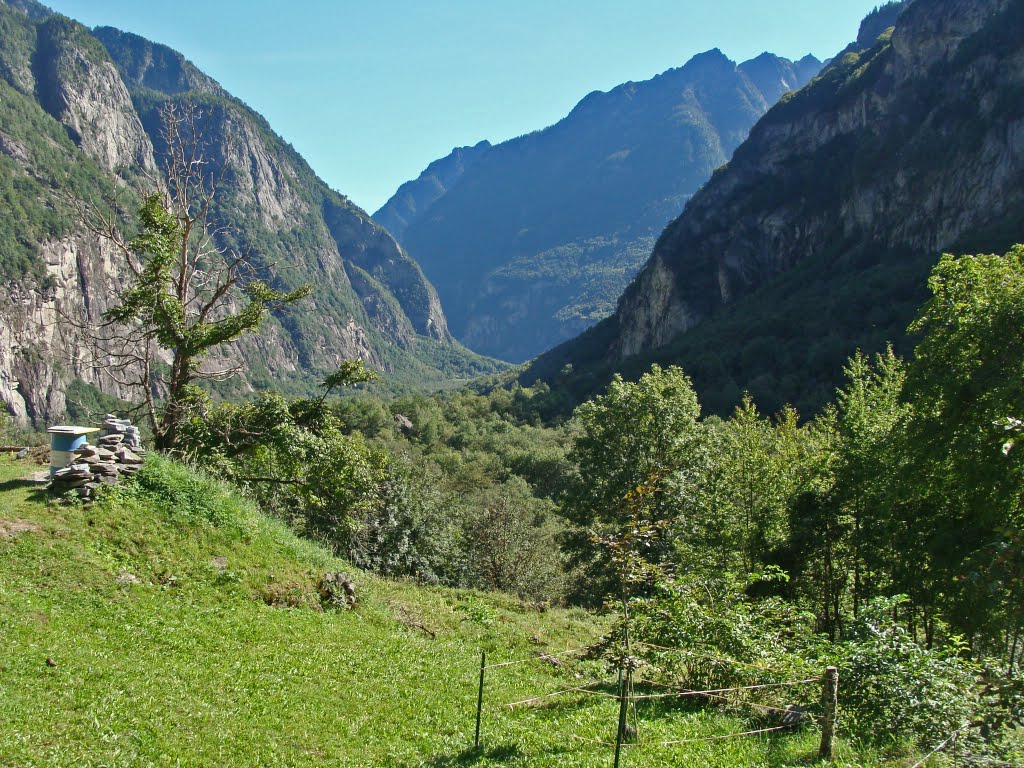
818,236
536,238
79,110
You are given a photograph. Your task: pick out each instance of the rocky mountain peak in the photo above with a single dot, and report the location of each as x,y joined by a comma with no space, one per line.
145,64
535,241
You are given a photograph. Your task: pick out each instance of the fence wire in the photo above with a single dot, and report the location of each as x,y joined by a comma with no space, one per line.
941,746
694,740
539,656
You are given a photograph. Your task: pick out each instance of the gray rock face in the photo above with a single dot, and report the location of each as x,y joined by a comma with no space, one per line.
878,112
39,349
81,88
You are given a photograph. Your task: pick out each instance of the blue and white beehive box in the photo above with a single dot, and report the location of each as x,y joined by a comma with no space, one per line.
64,441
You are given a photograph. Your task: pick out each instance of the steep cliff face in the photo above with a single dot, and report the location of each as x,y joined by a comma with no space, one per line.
415,197
80,87
817,237
41,344
76,114
535,241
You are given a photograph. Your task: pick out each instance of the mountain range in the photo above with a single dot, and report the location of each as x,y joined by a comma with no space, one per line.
819,235
807,229
531,241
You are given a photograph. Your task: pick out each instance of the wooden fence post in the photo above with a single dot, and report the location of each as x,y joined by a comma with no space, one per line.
480,697
830,704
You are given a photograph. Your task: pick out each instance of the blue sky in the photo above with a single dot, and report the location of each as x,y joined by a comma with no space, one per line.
370,92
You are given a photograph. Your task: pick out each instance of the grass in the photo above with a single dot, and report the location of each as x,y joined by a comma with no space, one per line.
198,666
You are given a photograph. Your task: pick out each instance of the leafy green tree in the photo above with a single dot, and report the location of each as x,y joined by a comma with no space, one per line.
510,541
755,464
845,536
308,471
966,381
870,415
633,433
187,293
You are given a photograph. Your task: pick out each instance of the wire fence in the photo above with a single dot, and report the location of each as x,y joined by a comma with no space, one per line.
628,698
950,742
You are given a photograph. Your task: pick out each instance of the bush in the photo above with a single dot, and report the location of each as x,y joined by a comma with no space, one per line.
188,497
726,638
893,688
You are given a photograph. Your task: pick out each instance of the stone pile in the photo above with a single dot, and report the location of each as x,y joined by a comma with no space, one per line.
113,426
119,454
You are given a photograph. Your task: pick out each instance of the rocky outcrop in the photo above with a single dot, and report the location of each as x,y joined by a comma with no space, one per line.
535,241
42,329
372,248
80,87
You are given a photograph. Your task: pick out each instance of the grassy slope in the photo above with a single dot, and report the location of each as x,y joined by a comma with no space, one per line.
195,671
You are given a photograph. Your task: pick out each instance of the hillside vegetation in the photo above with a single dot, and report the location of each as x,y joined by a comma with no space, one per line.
193,664
882,537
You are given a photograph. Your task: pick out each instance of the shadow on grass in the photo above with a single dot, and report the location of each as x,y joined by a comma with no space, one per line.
474,755
38,489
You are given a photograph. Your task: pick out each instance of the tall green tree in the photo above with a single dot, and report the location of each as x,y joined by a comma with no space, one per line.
755,462
187,292
633,435
870,415
964,388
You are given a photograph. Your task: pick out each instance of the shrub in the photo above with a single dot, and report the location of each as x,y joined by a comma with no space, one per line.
891,687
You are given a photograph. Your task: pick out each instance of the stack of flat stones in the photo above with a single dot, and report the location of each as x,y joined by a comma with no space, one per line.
118,454
114,427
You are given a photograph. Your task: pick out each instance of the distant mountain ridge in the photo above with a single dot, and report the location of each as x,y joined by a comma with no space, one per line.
79,109
534,240
818,236
414,197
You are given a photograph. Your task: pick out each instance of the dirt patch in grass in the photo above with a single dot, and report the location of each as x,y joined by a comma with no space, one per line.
11,528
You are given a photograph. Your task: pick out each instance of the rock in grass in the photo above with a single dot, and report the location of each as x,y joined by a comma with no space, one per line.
127,457
336,590
795,714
